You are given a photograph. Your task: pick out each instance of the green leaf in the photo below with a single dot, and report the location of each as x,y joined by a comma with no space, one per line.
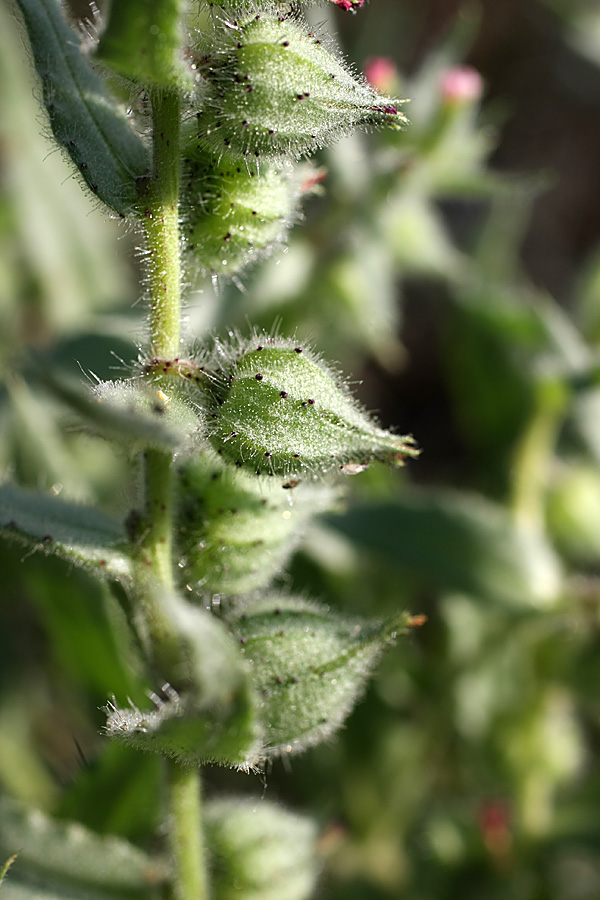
132,413
85,121
259,851
64,860
142,41
212,717
457,542
119,793
308,666
77,533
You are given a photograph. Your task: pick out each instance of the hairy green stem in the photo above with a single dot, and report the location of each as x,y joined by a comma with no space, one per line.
155,569
187,843
161,224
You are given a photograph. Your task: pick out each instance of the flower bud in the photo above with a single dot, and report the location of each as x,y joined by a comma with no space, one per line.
232,214
461,85
308,666
259,851
349,5
274,90
237,531
277,408
381,72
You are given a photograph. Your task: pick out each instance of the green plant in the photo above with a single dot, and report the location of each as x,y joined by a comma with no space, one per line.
223,434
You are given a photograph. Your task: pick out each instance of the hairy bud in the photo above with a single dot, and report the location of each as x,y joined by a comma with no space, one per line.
232,214
275,90
260,851
236,531
308,666
277,408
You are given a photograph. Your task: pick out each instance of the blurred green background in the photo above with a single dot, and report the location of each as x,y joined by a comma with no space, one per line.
454,271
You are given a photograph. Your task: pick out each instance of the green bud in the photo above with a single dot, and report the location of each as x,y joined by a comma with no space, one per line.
308,666
277,408
237,531
275,90
574,511
232,214
259,851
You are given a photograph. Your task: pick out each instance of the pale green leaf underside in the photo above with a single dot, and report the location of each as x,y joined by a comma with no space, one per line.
85,121
64,861
130,413
68,530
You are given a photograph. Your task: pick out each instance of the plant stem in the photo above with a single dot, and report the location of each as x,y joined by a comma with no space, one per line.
161,223
155,569
187,844
531,461
162,227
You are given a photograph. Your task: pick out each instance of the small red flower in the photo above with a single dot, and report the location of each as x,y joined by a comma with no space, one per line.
349,5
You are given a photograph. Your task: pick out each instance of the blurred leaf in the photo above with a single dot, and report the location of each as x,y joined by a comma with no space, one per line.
64,860
77,533
55,269
89,636
118,792
416,235
457,542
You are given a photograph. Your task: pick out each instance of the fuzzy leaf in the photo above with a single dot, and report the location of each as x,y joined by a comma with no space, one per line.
259,851
132,413
237,531
64,860
277,408
308,666
274,90
213,718
457,542
85,121
142,41
77,533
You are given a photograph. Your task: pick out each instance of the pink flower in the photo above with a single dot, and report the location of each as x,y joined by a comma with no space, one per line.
349,5
382,73
461,84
